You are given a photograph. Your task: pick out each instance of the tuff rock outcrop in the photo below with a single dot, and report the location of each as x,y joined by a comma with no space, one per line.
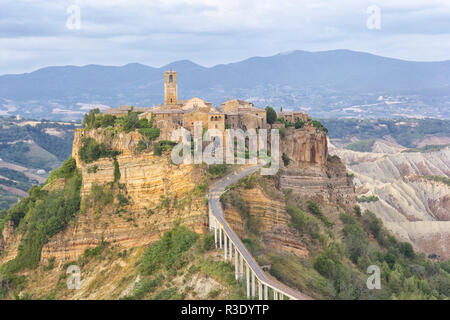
159,194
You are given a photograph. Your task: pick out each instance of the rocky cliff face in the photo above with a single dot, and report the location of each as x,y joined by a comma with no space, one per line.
306,147
159,194
309,172
269,213
9,243
415,208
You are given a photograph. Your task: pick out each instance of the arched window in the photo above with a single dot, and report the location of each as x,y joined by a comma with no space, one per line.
171,78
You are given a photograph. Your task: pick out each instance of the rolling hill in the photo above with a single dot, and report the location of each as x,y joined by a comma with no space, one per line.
330,83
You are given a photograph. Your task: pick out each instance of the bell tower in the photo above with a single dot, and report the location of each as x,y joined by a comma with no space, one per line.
170,88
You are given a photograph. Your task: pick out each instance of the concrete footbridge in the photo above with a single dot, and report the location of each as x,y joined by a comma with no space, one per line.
236,252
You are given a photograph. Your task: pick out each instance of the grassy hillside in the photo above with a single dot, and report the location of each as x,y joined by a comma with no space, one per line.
342,243
28,151
182,265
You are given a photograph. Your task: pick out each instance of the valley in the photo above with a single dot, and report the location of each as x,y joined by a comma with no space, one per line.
406,178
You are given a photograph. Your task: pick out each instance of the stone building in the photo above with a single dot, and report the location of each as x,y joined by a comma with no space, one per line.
170,88
123,110
170,118
174,113
293,116
243,114
233,105
216,121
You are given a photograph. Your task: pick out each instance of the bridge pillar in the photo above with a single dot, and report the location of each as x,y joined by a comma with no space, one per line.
220,237
236,264
215,236
275,295
260,293
266,292
253,285
225,238
247,271
241,267
280,296
231,249
211,218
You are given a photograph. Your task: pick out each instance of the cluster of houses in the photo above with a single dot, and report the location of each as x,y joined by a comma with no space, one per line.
175,113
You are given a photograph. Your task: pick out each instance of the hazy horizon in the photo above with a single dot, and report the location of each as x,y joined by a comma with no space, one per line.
209,66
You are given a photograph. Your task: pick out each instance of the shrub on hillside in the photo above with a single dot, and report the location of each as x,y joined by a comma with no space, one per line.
162,145
217,170
315,209
91,150
168,252
303,223
46,216
66,170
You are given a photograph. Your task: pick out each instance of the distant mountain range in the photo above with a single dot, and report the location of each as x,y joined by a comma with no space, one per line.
328,84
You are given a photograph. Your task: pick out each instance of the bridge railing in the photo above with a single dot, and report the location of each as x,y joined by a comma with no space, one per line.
226,239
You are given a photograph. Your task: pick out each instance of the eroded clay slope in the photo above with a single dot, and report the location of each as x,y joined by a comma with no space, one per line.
414,207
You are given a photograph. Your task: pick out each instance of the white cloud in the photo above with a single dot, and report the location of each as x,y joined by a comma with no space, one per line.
155,32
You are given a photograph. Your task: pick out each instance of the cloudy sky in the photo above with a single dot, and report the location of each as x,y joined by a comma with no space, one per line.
39,33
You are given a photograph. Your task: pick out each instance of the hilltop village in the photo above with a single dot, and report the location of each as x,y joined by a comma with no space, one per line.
120,193
138,225
174,113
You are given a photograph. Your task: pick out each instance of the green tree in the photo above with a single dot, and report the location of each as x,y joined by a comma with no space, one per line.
324,265
299,124
116,170
89,118
271,115
148,136
108,120
91,150
130,122
286,159
406,249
